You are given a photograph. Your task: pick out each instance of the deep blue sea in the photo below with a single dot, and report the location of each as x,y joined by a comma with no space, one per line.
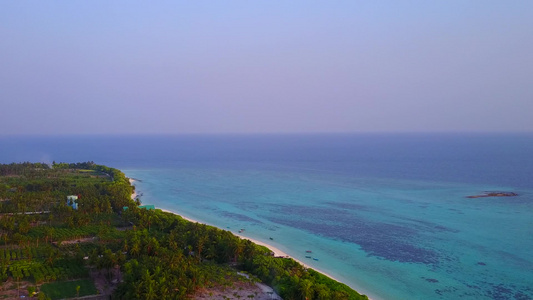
385,213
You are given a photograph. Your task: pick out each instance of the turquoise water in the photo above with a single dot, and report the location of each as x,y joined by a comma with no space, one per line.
386,214
391,239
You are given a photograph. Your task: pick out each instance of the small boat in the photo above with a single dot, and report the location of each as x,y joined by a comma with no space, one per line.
307,256
308,251
315,258
271,239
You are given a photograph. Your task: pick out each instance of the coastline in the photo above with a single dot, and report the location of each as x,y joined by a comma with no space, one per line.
275,250
134,195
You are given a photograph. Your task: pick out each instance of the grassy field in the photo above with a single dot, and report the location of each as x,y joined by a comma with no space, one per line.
67,289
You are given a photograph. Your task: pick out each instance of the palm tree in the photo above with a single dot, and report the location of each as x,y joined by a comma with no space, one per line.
18,275
200,245
152,246
52,255
174,261
304,288
135,247
108,261
150,288
239,247
27,252
49,233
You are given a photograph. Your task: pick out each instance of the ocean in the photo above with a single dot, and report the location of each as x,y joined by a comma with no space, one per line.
387,214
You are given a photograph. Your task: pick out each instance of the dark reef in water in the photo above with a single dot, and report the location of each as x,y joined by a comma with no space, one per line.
387,241
494,194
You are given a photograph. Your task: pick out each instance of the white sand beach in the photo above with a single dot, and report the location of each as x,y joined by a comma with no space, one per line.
132,182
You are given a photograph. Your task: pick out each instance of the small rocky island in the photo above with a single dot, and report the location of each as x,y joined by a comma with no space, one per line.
494,194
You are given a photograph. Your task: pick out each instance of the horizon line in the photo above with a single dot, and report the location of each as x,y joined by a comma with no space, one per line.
3,135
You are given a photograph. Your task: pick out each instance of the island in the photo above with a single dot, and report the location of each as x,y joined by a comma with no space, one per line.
70,230
493,194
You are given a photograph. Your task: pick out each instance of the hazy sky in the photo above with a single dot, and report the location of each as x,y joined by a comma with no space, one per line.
265,66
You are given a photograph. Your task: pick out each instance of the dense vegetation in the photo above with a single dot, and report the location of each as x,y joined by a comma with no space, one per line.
146,254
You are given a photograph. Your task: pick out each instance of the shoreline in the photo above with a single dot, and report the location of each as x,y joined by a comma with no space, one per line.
275,250
134,195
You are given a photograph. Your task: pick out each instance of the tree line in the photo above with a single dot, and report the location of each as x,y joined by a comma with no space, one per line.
153,254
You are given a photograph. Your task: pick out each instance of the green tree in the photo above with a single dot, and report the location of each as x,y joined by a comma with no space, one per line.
305,289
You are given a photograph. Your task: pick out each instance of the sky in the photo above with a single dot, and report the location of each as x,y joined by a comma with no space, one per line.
181,67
